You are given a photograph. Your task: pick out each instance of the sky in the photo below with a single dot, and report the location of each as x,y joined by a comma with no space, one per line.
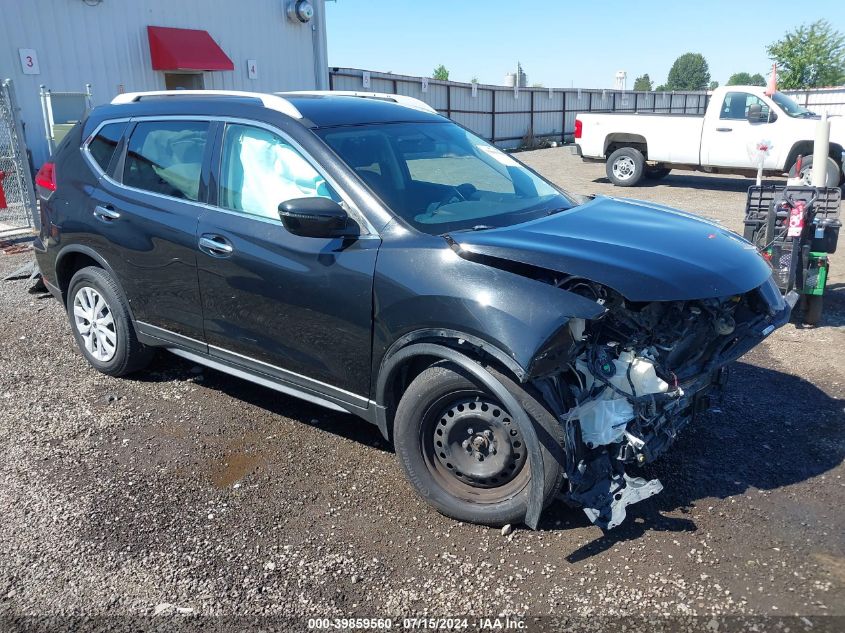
562,43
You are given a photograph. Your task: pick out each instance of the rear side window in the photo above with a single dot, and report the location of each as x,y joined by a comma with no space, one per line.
165,157
103,145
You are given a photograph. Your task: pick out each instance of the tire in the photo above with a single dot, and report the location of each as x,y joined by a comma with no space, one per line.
443,404
833,177
625,167
113,348
813,309
656,173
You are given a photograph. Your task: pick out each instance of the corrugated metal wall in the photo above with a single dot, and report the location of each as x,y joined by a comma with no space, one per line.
106,45
499,114
830,100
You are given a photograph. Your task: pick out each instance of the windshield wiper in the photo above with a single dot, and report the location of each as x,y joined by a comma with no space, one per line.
558,210
477,227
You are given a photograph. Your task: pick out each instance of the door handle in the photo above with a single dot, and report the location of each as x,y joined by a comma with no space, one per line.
215,245
724,129
105,213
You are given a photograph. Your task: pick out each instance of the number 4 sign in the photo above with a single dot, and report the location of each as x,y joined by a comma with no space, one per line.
252,68
29,61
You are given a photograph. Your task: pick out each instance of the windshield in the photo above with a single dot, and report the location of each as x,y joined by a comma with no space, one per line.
440,178
788,105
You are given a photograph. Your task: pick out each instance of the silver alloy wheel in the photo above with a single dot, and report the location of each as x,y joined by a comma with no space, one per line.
806,175
93,319
624,168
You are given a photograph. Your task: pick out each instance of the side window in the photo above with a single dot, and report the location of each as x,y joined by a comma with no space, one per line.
103,145
259,171
736,104
166,157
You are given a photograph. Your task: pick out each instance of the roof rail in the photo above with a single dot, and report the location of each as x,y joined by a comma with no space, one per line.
403,100
271,101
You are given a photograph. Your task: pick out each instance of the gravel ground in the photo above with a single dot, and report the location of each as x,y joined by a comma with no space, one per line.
183,488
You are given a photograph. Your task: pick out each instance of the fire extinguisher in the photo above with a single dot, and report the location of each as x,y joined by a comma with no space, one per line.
2,191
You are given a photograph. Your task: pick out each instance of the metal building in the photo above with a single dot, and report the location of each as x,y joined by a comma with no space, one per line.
133,45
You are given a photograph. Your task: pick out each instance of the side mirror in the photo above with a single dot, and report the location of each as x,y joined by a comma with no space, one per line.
315,217
756,114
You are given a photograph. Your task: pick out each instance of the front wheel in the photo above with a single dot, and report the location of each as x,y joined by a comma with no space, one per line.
833,176
625,167
463,452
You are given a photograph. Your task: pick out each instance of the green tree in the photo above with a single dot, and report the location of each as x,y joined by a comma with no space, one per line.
644,83
810,57
537,85
713,85
440,73
746,79
660,88
689,72
474,80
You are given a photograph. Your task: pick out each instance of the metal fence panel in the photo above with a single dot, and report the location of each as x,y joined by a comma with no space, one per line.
830,100
17,198
508,117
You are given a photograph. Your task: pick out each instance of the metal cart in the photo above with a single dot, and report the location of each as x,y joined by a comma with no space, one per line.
796,228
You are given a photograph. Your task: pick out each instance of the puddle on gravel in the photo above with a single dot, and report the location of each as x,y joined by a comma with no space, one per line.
835,565
236,466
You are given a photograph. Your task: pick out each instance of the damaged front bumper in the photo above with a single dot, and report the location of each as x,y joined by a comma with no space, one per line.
629,398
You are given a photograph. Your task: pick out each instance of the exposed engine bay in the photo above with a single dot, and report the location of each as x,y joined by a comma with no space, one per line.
635,377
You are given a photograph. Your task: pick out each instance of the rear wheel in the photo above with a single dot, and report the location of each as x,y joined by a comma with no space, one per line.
833,177
102,327
463,452
625,167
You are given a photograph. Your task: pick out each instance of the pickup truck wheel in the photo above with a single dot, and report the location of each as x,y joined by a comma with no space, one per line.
625,167
656,173
833,176
464,454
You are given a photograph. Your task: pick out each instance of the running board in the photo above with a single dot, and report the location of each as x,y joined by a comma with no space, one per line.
259,380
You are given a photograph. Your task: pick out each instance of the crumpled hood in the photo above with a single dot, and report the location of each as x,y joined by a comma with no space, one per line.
645,251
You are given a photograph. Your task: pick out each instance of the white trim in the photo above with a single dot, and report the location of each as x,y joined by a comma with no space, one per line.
271,101
403,100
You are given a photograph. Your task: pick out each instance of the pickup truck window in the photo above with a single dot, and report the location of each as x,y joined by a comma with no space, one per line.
736,104
790,107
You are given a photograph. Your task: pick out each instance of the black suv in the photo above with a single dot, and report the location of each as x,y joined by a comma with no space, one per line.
516,343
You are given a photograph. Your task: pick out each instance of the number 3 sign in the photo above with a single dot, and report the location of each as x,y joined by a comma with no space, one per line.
29,61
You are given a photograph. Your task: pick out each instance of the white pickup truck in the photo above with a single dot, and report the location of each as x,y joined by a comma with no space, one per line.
723,140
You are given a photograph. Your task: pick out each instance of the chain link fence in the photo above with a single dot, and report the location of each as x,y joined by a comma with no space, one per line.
17,196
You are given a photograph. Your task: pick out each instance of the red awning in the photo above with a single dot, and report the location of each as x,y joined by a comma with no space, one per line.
185,49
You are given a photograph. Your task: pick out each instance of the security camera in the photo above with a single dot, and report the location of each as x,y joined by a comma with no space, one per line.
300,11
